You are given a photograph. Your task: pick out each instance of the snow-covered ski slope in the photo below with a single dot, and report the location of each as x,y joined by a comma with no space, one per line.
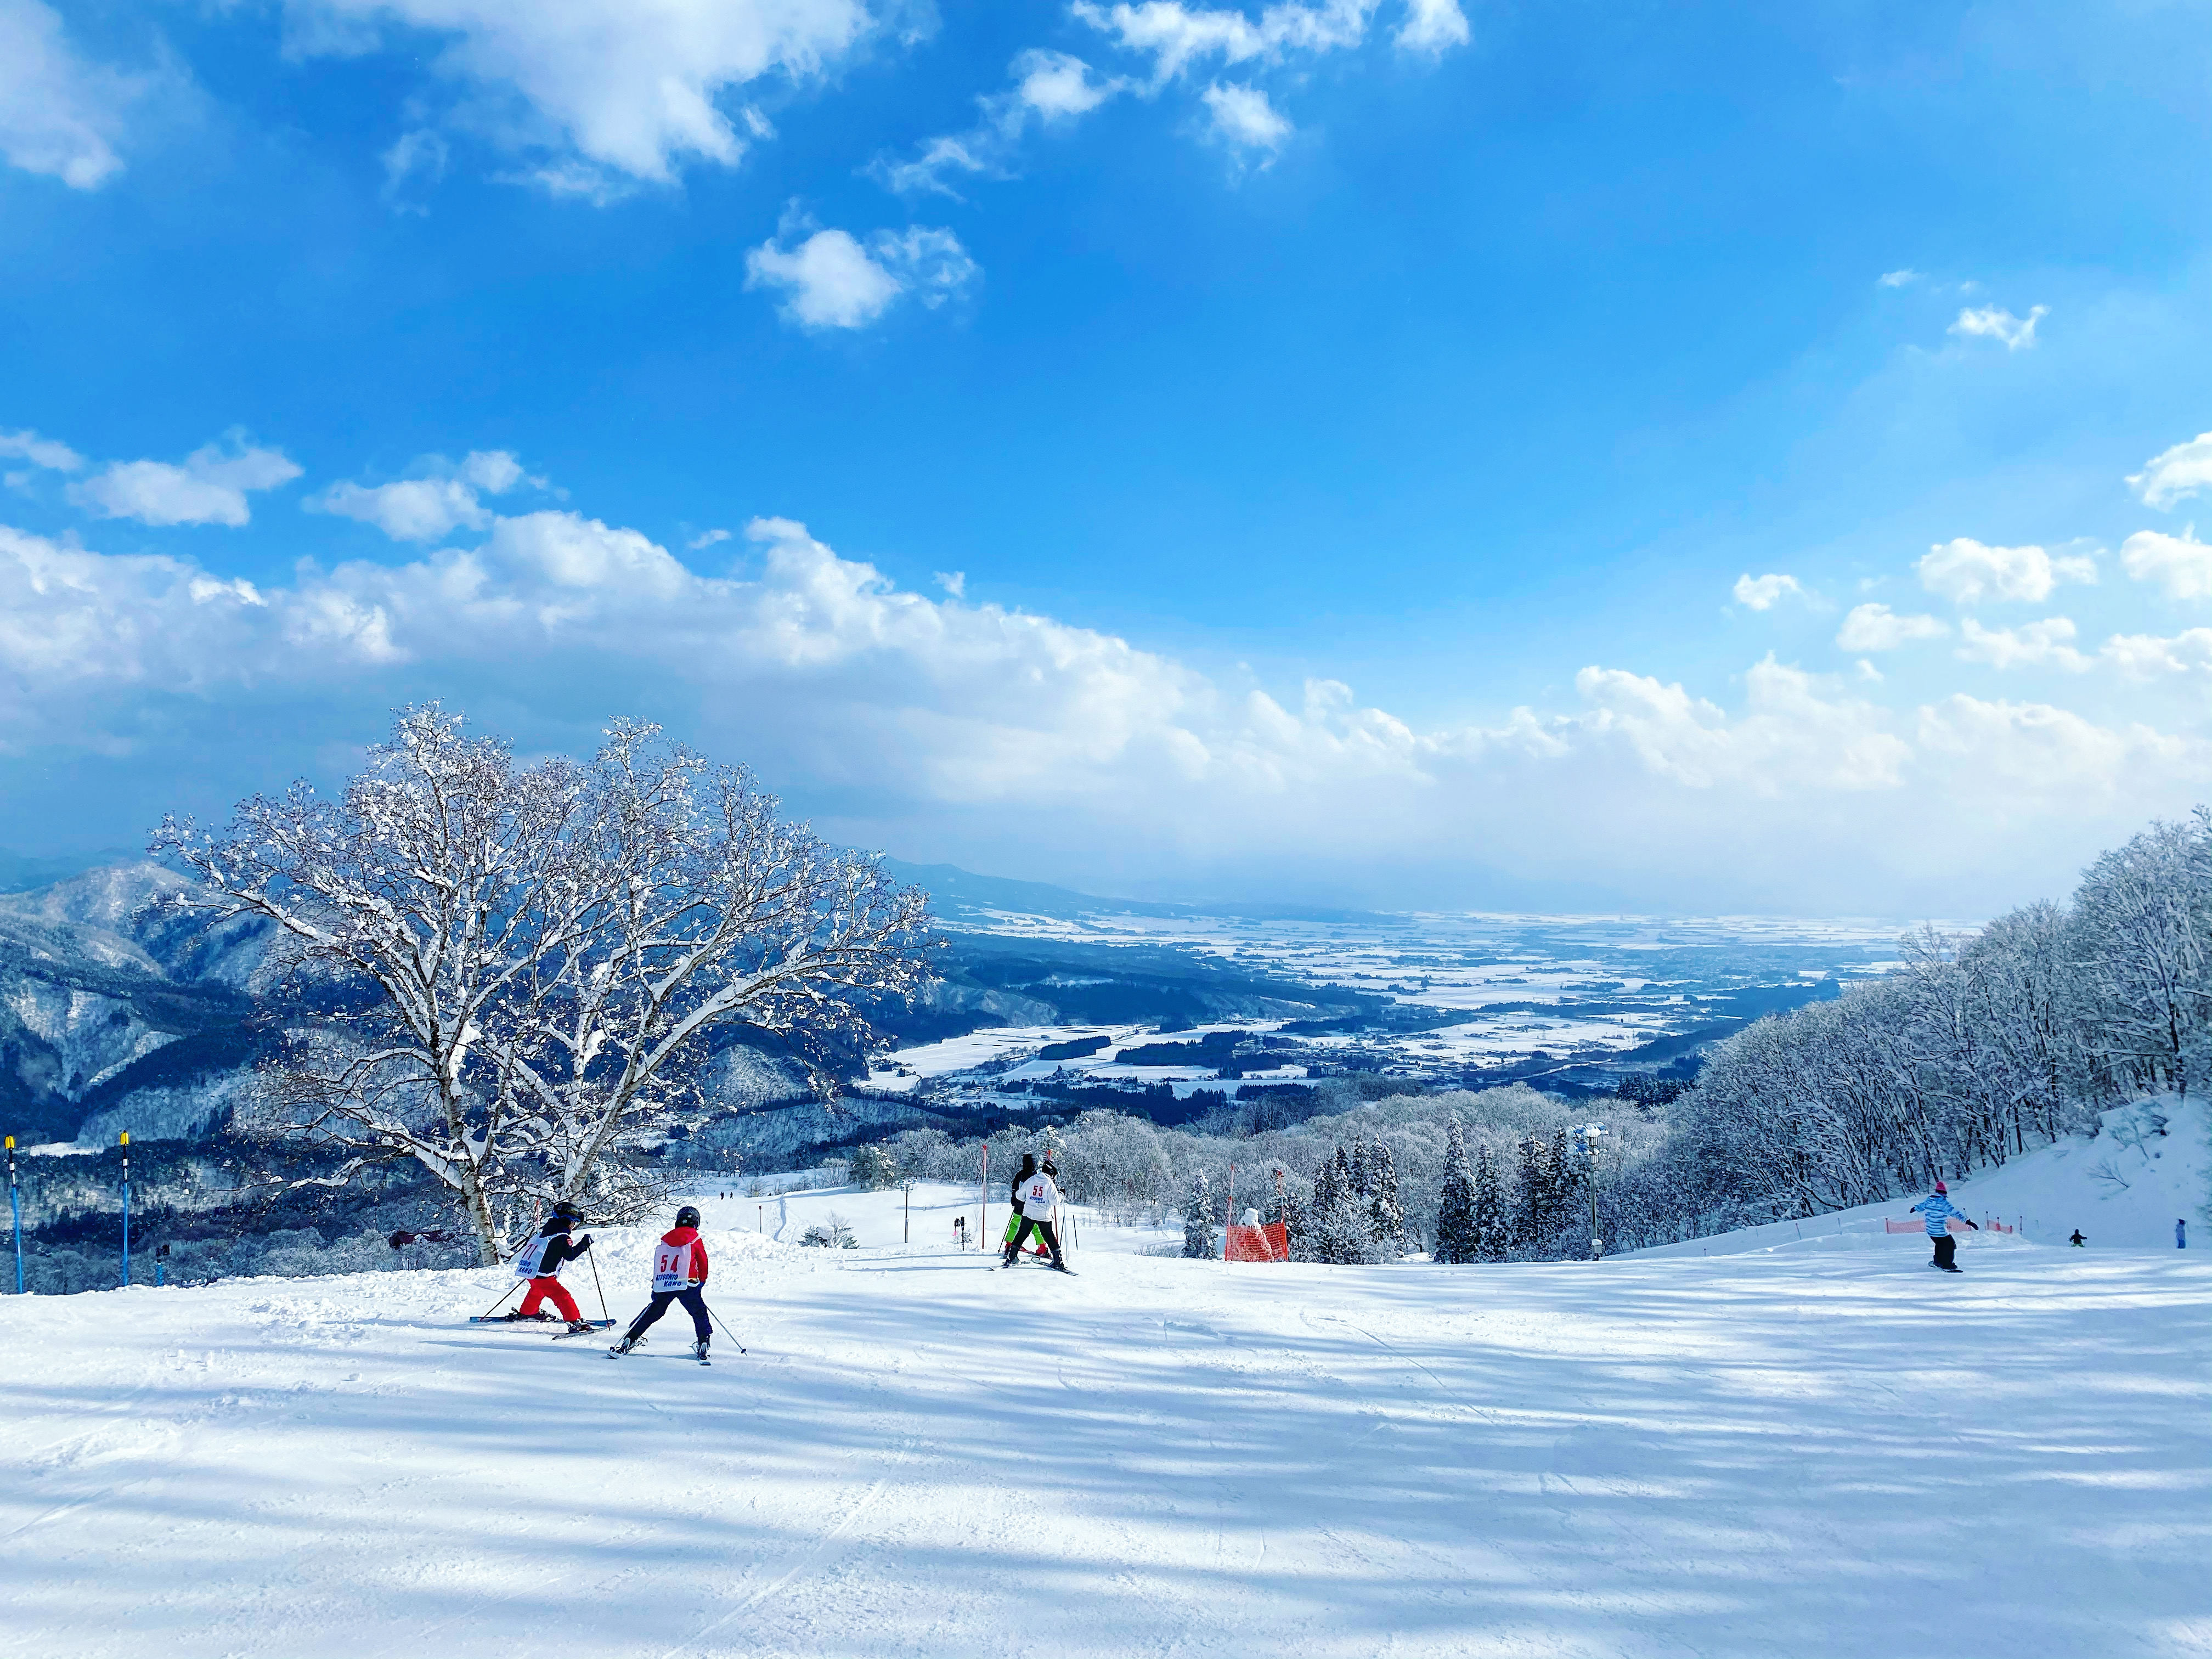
2123,1189
1758,1455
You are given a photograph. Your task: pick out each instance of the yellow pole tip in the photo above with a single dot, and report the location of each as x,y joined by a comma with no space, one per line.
126,1137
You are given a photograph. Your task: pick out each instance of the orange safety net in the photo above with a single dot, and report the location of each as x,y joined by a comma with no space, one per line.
1269,1244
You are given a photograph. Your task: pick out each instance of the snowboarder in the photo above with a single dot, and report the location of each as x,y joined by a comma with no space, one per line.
540,1261
1939,1211
679,1274
1040,1198
2180,1235
2077,1241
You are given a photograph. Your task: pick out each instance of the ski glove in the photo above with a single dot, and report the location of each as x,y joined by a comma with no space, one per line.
581,1245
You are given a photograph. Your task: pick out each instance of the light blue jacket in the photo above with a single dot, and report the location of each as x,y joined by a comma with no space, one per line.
1940,1210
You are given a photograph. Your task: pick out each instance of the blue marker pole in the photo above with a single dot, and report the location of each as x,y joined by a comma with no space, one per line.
125,1144
15,1215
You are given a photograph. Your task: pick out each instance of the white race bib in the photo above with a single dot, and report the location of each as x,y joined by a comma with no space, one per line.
525,1262
671,1267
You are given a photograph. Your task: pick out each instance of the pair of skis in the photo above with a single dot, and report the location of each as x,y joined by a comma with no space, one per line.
698,1350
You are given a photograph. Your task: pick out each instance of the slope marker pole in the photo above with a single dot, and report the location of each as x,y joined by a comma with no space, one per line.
125,1142
15,1215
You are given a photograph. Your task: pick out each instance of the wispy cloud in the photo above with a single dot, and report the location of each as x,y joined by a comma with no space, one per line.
2174,475
209,487
1993,323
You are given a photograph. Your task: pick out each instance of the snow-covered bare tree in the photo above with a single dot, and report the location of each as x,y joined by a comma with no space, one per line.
518,967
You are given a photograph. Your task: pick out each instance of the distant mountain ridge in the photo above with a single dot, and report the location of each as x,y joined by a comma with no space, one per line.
959,892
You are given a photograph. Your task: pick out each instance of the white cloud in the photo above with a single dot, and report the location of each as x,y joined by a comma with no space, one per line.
1990,322
1176,36
1765,593
954,582
1244,119
48,452
708,538
1966,571
831,281
1790,735
608,89
2181,564
919,714
1432,26
2032,750
423,509
1058,87
58,115
2146,656
210,487
2175,474
2032,645
1051,89
1876,628
1898,278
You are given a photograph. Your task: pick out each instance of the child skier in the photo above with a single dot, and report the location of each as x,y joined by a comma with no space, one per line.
2077,1241
540,1262
1039,1197
1939,1211
1021,1177
679,1274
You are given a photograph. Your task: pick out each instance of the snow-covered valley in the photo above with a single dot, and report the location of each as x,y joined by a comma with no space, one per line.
1755,1454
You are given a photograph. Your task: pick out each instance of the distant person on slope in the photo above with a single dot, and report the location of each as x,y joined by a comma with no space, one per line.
540,1261
2180,1235
2077,1241
1938,1211
1040,1200
679,1274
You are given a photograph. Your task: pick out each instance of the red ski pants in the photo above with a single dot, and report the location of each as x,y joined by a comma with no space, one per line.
549,1290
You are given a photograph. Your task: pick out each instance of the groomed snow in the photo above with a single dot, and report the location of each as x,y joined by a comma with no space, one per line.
1803,1455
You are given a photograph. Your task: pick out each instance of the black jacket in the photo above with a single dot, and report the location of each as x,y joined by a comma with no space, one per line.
560,1248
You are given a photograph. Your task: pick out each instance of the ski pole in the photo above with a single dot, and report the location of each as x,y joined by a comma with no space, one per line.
503,1295
724,1330
602,1289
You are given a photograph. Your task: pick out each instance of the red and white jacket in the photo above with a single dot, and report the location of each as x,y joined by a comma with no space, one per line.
679,1260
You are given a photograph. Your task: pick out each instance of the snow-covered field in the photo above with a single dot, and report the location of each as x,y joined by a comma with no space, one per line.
1801,1454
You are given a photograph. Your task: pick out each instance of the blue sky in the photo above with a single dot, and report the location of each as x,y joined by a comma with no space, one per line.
1311,450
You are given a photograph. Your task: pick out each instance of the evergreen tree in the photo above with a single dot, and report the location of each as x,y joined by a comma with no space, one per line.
1383,1207
1361,1173
870,1168
1491,1238
1330,1182
1344,1232
1197,1219
1456,1231
1538,1202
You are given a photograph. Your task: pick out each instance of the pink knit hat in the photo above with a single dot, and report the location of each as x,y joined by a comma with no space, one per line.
1941,1187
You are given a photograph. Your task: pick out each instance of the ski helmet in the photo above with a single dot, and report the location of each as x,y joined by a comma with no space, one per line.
568,1209
687,1217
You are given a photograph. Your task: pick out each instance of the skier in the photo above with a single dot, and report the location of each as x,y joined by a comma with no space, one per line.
1940,1210
2180,1235
540,1261
679,1274
1040,1196
2077,1241
1014,1199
